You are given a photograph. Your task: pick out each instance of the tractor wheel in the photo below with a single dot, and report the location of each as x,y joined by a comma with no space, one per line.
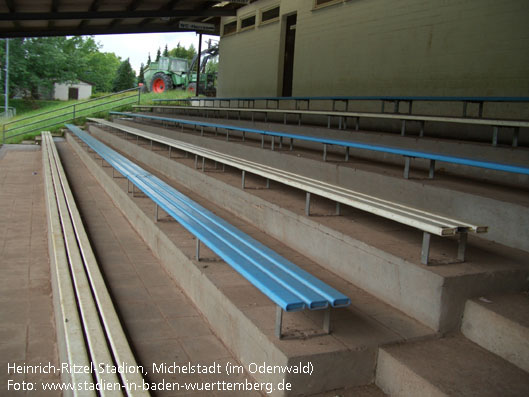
161,83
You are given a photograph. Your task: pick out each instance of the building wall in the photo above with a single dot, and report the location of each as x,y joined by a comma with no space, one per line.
376,47
61,90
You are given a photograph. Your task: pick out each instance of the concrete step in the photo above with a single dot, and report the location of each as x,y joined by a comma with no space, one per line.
243,318
500,324
504,209
452,366
379,256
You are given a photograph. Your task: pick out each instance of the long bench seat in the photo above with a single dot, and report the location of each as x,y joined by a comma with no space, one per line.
288,286
408,154
342,116
465,100
425,221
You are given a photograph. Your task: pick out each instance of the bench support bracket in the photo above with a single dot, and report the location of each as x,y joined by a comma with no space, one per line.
425,251
307,204
462,246
279,321
327,321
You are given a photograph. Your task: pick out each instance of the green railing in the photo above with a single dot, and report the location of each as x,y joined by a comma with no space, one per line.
57,117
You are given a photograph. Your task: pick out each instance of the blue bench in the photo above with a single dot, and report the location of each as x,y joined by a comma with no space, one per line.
408,154
288,286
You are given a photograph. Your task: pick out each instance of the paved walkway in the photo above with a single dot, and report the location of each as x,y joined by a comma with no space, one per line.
27,324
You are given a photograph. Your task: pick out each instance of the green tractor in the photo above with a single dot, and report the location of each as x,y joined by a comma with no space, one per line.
169,73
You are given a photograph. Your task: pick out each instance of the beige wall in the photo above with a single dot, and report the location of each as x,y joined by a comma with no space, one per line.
61,90
380,47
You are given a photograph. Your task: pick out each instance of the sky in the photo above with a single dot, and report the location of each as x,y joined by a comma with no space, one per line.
136,47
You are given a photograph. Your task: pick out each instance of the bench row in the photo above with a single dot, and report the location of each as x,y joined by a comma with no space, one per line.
343,116
288,286
408,154
425,221
465,100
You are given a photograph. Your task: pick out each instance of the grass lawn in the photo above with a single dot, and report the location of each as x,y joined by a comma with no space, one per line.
36,116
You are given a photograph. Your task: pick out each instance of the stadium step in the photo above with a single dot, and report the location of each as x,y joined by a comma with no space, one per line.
383,252
243,318
500,324
452,366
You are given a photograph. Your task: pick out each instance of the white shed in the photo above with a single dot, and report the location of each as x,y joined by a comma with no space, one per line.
67,91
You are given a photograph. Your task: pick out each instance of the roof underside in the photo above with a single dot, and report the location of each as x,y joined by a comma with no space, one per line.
28,18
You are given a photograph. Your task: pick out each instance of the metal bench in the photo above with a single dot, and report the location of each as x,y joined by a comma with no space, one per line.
408,154
88,327
342,117
288,286
465,100
425,221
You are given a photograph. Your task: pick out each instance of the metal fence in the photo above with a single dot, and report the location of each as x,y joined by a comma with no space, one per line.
69,113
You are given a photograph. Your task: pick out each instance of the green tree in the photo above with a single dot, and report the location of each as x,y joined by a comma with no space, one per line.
36,63
182,52
149,59
101,70
125,77
158,55
141,75
165,51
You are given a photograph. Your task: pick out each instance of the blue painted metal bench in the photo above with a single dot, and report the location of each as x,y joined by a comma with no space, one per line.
408,154
288,286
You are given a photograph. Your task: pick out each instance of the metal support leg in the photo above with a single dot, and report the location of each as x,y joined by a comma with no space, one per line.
340,122
262,141
465,104
324,152
151,144
243,179
197,251
280,142
279,321
432,169
421,134
425,251
201,130
347,153
338,209
291,144
357,123
480,109
462,246
267,183
515,134
327,321
495,136
299,119
128,185
155,212
227,136
203,164
196,161
307,204
284,118
407,168
244,135
403,128
170,148
328,121
273,143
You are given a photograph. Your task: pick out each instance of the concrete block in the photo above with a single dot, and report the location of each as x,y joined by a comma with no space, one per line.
500,324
